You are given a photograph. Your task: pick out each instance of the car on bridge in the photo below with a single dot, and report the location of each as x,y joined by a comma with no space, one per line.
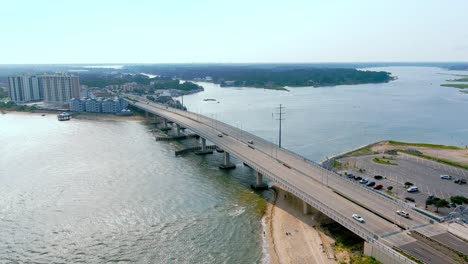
402,213
358,218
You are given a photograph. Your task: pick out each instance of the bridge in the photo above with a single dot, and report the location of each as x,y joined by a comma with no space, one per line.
385,233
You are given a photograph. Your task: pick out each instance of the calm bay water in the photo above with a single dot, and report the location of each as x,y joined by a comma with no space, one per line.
106,191
326,121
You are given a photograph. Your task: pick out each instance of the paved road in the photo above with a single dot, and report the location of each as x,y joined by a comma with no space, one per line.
335,197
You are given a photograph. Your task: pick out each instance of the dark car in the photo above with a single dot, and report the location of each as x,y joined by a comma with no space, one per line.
378,187
357,178
371,184
460,181
378,177
410,199
350,176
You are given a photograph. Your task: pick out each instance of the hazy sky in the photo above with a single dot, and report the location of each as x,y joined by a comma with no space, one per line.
153,31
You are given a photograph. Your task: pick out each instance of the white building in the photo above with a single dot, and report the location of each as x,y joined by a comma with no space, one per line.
24,88
59,88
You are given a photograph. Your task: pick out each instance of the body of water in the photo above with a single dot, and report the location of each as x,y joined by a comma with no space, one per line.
106,191
326,121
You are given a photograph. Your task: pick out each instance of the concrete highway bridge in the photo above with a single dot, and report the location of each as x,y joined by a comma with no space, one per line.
386,234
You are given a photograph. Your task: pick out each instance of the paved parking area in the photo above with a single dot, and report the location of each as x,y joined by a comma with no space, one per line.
424,174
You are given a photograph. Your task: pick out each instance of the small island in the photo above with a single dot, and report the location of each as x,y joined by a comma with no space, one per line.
456,85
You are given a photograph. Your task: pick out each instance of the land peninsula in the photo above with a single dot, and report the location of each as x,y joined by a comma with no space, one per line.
267,76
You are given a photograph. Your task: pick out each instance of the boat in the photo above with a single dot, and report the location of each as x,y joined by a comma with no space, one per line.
209,99
63,116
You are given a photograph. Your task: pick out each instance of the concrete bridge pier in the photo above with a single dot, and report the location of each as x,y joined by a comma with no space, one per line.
306,208
227,162
259,184
165,126
203,150
178,129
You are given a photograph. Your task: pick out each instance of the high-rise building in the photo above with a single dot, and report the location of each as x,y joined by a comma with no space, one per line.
59,89
25,88
55,89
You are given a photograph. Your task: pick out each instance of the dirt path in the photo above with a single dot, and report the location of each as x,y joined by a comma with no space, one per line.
291,236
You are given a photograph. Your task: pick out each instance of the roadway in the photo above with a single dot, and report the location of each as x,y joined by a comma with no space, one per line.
321,188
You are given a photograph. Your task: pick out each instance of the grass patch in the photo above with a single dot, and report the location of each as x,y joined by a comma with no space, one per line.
356,259
408,256
435,146
345,239
445,161
337,165
456,85
459,80
384,162
360,152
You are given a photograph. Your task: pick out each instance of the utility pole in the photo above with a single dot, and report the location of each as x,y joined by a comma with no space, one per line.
280,119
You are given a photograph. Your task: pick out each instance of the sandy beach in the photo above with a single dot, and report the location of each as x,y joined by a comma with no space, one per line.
292,236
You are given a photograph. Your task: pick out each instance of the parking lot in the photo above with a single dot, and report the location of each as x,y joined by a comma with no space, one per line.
424,174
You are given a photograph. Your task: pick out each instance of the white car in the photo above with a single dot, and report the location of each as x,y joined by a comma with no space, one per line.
358,218
403,213
412,189
446,177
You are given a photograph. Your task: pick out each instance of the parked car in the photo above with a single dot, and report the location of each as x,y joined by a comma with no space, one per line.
430,196
411,199
402,213
358,218
250,141
378,187
357,178
453,205
446,177
363,181
371,184
460,181
412,189
378,177
220,135
350,176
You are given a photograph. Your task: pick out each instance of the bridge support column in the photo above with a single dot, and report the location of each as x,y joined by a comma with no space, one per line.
178,129
203,150
306,208
165,126
146,114
227,162
259,184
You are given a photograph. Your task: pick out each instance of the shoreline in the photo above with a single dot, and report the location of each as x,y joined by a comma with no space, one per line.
292,237
81,116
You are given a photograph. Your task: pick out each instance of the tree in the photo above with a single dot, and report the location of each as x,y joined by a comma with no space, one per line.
458,199
408,184
441,203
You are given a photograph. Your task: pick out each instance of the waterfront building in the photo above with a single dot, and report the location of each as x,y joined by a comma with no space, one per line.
25,88
59,88
53,89
99,105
